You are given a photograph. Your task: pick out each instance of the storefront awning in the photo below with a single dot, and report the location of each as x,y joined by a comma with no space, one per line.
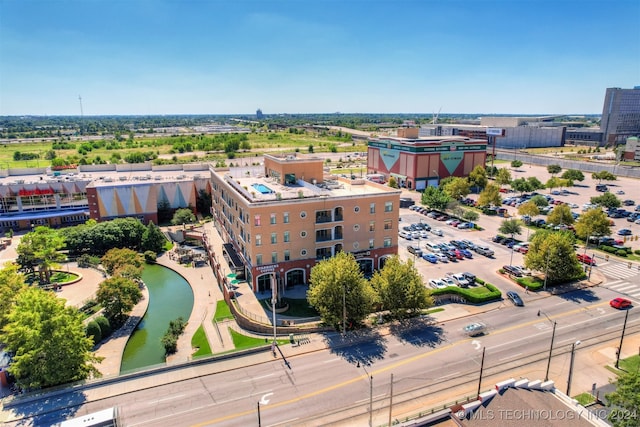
234,258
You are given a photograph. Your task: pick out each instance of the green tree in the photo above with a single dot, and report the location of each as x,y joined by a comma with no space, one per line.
153,239
516,164
603,176
105,326
573,175
41,247
471,216
400,288
539,200
535,183
625,400
503,177
529,208
94,332
593,222
552,183
435,198
511,227
393,182
608,200
336,278
561,214
457,188
521,185
478,177
116,259
48,341
490,196
11,284
118,295
183,216
552,253
554,169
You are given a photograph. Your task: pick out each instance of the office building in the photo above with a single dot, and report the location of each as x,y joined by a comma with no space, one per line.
620,115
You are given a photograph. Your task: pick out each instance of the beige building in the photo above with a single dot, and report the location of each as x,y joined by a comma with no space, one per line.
280,219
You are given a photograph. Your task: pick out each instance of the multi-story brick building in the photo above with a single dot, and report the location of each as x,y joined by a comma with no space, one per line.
280,219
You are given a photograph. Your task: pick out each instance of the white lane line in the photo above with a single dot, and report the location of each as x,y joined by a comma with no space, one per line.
563,302
166,398
573,339
332,360
450,375
510,357
367,399
615,282
258,378
285,422
624,288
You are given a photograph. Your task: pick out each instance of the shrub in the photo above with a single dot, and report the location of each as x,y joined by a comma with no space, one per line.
150,257
621,252
93,332
170,343
170,338
473,295
105,326
637,252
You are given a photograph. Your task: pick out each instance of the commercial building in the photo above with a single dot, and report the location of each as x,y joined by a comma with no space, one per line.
281,218
620,115
416,162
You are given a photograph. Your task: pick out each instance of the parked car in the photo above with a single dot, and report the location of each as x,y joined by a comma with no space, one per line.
405,234
620,303
424,234
464,225
586,259
471,278
441,257
628,202
460,280
437,284
437,232
514,271
430,257
451,256
619,192
449,281
469,244
415,250
474,329
624,232
484,250
498,239
515,298
466,252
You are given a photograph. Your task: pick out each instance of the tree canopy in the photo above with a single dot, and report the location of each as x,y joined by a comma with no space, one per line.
11,284
503,177
521,185
593,222
335,278
603,176
561,214
457,188
48,340
573,175
625,400
435,198
41,248
510,227
516,164
97,238
554,169
153,239
400,288
183,216
490,196
478,177
116,259
118,295
529,208
552,253
607,199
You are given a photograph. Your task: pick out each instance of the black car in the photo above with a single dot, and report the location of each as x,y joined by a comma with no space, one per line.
515,298
629,203
512,270
451,255
470,277
498,239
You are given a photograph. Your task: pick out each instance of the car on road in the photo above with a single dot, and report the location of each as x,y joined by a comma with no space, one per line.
515,298
586,259
430,257
475,329
437,283
514,271
624,232
437,232
620,303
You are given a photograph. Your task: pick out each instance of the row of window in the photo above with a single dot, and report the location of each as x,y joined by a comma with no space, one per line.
257,219
321,252
388,225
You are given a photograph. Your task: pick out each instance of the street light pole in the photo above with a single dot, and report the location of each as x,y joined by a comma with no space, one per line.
273,311
624,327
553,336
573,352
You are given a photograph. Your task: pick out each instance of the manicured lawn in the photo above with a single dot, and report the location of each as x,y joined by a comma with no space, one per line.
168,245
242,342
200,341
585,398
222,311
62,277
297,307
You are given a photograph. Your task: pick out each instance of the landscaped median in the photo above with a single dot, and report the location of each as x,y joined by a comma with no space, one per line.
485,292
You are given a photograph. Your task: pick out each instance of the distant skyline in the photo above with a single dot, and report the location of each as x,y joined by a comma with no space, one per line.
151,57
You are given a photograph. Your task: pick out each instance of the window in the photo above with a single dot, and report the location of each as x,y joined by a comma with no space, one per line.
259,259
287,255
286,217
356,245
303,234
388,225
274,238
356,227
371,244
387,242
274,257
303,214
303,252
256,220
356,209
372,226
388,206
286,237
258,239
272,219
372,208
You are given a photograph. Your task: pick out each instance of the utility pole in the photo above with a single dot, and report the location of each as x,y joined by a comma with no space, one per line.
573,353
259,422
481,369
390,400
371,401
624,327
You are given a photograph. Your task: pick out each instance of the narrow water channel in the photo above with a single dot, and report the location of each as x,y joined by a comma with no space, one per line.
170,297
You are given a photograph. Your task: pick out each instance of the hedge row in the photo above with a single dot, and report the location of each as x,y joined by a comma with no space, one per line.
619,252
471,294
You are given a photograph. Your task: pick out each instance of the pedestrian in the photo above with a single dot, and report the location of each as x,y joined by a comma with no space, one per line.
526,290
209,293
201,278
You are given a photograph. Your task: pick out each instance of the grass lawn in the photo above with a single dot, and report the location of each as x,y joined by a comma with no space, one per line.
585,398
199,341
242,342
297,307
63,277
222,311
168,245
630,364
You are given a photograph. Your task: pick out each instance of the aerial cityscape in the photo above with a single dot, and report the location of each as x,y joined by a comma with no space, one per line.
206,206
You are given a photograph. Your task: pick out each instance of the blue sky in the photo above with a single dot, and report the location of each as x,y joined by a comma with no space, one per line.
353,56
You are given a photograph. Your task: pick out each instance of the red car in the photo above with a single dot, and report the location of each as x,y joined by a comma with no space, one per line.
620,303
586,259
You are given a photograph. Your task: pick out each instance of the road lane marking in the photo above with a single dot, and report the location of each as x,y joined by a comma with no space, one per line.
279,423
563,302
258,378
264,400
372,397
332,360
166,398
510,357
615,282
624,288
450,375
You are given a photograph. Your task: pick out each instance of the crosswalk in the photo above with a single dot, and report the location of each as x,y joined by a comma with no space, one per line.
618,270
625,287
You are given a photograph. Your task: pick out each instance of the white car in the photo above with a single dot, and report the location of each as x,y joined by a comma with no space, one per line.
405,235
441,257
449,281
437,232
415,235
424,234
437,284
460,280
